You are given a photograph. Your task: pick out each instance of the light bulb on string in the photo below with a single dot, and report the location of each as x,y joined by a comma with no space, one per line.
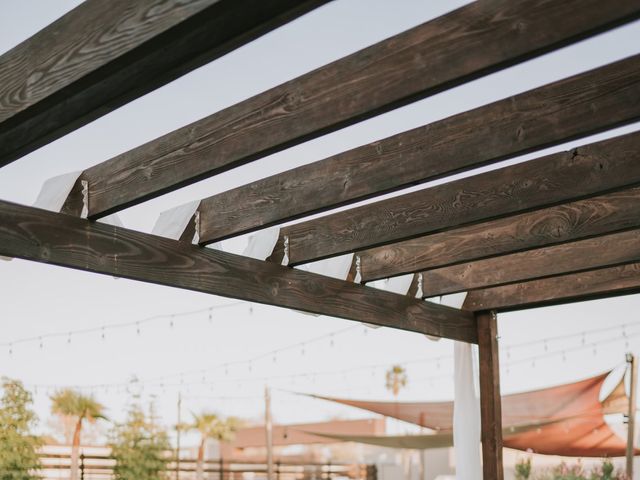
69,338
584,340
546,347
564,357
210,315
171,324
138,328
595,350
302,350
331,342
10,349
102,335
41,344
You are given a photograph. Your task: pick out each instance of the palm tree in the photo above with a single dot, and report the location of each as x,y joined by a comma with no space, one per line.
70,403
210,425
396,379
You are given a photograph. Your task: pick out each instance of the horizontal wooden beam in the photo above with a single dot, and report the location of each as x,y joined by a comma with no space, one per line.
590,170
104,54
474,40
65,240
568,222
564,110
599,252
576,287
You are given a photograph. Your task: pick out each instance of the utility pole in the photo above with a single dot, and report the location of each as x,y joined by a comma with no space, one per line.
632,369
268,427
178,431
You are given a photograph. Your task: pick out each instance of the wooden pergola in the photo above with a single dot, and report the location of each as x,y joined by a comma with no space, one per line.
560,228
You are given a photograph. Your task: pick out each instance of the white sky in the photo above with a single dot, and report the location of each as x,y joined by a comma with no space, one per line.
37,299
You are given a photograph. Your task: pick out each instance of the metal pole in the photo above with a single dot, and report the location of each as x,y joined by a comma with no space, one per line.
178,430
268,427
633,372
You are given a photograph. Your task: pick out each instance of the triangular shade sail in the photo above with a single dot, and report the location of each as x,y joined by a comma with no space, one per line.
565,420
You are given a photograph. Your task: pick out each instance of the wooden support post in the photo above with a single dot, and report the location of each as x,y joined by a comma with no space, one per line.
633,382
490,401
268,427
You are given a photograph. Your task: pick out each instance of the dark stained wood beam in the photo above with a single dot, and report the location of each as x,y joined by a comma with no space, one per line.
490,400
589,170
599,252
65,240
564,110
104,54
477,39
568,222
575,287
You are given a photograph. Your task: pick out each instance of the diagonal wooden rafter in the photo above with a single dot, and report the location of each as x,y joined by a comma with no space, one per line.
587,171
474,40
599,252
575,287
581,105
555,225
102,55
65,240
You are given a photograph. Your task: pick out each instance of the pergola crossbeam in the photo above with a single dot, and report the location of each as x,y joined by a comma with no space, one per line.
104,54
555,225
562,289
599,252
65,240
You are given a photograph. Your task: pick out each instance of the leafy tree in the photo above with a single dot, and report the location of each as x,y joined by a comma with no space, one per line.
140,448
18,455
73,404
210,425
396,379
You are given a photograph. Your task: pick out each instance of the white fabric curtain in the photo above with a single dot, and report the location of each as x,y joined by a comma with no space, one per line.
171,223
466,405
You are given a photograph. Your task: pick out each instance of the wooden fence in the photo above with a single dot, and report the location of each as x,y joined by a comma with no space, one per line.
100,467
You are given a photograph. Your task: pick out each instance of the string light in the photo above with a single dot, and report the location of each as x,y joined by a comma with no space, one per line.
372,368
123,325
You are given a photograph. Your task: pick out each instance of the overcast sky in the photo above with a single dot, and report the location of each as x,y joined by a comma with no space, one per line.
37,299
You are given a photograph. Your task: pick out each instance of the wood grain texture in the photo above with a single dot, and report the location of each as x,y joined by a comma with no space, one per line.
562,177
103,54
490,400
60,239
549,226
576,287
578,106
599,252
474,40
